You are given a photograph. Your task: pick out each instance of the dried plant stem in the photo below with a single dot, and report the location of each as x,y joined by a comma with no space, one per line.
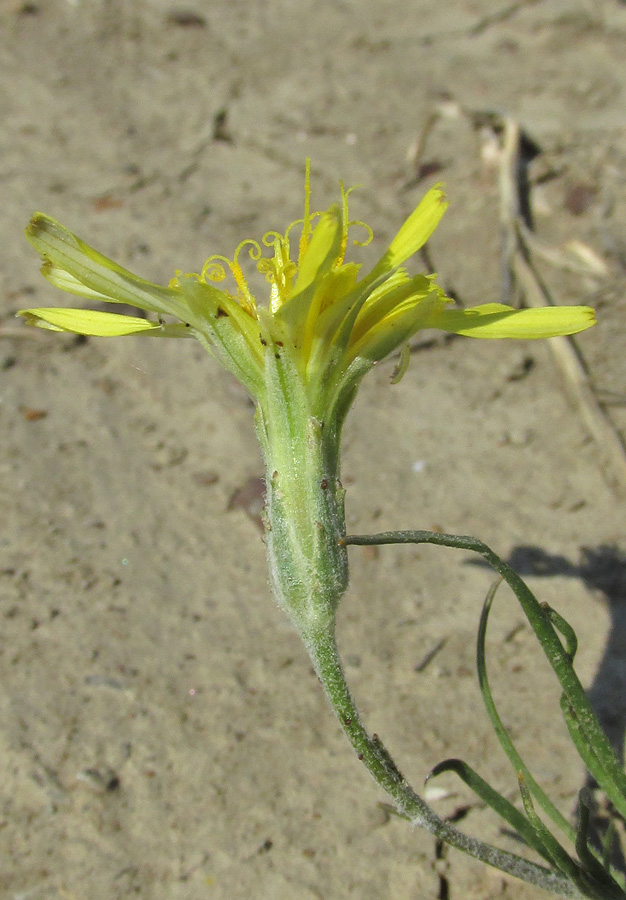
517,267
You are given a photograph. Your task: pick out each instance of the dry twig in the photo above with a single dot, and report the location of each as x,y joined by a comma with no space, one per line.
517,250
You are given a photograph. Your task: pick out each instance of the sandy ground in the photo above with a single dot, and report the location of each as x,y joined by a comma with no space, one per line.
162,734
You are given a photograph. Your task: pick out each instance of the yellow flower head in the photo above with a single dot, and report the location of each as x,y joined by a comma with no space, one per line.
301,355
331,324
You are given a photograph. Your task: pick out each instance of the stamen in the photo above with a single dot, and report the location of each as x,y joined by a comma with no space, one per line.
272,238
214,270
350,222
306,221
370,233
312,217
344,223
290,226
254,252
178,274
278,271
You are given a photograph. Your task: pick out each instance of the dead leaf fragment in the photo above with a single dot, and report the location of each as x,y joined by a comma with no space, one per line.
579,197
33,415
106,201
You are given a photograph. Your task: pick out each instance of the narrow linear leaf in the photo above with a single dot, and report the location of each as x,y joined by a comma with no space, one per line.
564,627
601,874
498,726
613,779
607,844
587,751
503,807
559,856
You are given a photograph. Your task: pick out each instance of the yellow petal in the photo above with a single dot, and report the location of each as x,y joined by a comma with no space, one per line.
494,320
415,231
66,282
397,290
97,324
90,274
398,327
322,250
332,330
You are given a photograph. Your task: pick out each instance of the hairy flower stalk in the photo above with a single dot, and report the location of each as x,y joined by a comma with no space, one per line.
301,356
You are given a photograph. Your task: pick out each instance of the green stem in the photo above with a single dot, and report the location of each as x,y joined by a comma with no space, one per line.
370,750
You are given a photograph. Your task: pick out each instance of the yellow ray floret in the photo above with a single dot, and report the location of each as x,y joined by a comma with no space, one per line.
332,322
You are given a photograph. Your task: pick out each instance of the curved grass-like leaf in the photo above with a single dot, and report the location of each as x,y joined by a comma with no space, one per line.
559,856
611,776
566,630
503,807
502,734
